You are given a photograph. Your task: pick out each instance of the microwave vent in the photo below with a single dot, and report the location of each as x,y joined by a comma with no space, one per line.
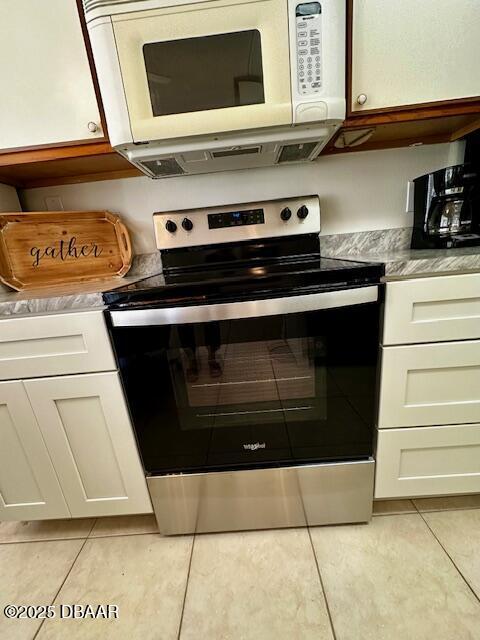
90,5
297,152
164,167
239,151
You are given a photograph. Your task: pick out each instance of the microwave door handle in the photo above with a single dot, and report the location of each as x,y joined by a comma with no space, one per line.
244,309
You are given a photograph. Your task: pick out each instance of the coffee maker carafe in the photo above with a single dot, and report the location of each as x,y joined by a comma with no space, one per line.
447,208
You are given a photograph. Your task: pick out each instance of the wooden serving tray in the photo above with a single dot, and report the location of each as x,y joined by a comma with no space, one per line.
45,248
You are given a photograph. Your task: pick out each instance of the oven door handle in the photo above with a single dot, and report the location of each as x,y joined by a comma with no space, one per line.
244,309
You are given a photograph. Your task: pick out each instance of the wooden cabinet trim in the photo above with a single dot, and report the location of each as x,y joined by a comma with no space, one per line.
93,71
462,106
87,168
45,154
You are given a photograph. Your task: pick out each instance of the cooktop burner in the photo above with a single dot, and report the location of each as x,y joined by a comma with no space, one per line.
251,251
262,280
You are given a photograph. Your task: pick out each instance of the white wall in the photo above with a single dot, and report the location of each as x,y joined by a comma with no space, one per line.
358,191
8,199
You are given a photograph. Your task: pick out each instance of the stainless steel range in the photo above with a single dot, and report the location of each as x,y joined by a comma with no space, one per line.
249,367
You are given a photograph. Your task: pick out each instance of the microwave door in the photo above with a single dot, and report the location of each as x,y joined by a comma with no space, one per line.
207,70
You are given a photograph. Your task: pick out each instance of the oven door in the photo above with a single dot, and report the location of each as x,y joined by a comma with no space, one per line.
252,384
205,68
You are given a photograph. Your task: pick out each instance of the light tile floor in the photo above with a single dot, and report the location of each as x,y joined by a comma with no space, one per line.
413,573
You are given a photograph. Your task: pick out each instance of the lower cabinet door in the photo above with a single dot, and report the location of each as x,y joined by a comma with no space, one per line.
428,461
87,430
29,489
430,384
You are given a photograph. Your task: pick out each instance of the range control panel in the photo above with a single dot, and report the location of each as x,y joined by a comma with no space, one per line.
234,223
235,218
308,18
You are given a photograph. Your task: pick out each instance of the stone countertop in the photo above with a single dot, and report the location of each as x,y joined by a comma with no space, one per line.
392,247
58,298
75,296
388,246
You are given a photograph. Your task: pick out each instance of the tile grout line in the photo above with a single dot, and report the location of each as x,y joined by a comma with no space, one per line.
66,577
144,533
92,527
327,605
416,510
89,537
398,513
447,554
125,534
453,509
42,540
186,589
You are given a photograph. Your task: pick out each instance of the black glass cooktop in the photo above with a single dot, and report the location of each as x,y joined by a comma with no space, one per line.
224,283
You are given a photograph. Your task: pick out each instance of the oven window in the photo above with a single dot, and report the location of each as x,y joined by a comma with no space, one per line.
230,385
209,72
296,388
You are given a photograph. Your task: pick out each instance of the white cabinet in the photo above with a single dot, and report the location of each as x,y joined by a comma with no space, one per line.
429,402
410,52
430,384
29,489
67,447
428,461
48,96
54,345
432,309
85,424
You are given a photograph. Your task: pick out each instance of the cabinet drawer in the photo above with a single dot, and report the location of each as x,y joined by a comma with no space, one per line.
430,384
57,344
428,461
432,309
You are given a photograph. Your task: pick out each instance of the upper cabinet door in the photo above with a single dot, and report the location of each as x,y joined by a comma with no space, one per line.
87,430
29,489
409,52
48,96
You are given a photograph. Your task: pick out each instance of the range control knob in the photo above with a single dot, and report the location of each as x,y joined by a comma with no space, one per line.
187,224
285,214
302,213
170,226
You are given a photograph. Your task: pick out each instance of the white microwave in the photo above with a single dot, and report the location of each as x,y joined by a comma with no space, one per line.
193,86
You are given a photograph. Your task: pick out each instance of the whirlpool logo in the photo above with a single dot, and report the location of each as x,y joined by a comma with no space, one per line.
253,446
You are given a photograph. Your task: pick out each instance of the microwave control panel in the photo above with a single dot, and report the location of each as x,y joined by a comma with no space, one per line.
308,18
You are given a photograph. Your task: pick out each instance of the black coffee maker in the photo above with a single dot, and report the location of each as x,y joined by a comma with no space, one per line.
447,208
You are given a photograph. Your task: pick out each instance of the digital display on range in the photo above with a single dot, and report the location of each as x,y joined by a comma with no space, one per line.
235,218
